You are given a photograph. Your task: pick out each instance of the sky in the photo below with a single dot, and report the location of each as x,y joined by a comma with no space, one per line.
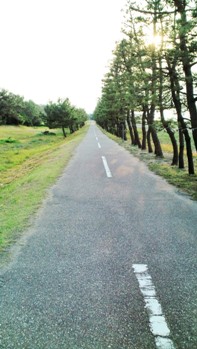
54,49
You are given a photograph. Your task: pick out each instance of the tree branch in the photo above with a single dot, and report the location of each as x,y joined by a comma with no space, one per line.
150,12
192,64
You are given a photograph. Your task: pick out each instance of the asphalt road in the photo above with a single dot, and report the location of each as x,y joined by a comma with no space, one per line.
110,261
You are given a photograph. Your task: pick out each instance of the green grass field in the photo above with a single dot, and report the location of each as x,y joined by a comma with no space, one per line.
30,162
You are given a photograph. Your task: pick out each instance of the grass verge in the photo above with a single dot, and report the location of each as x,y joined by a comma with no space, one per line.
24,181
180,178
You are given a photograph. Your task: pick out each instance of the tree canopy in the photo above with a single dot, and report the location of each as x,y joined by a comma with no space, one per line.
63,115
152,72
14,110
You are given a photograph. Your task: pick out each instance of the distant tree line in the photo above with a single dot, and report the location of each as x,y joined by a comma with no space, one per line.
14,110
147,77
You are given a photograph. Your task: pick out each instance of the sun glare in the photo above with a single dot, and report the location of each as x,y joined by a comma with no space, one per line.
155,40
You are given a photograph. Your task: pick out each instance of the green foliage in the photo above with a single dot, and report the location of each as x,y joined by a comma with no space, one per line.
14,110
8,140
32,114
10,108
152,71
58,114
63,115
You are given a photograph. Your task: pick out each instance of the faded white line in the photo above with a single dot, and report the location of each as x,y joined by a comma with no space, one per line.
107,170
99,145
97,138
158,324
94,132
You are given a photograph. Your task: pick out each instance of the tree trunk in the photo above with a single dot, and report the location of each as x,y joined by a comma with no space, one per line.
189,152
151,114
171,136
136,134
150,148
175,88
156,141
181,149
71,129
191,102
125,131
64,132
144,130
174,145
166,124
130,128
157,144
186,62
119,130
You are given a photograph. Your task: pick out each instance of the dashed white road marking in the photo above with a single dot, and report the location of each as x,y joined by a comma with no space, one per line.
97,138
94,132
99,145
107,170
158,324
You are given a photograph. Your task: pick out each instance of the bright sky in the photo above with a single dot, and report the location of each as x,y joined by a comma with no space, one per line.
58,48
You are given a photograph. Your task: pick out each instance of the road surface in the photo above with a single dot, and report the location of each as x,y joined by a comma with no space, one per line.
110,261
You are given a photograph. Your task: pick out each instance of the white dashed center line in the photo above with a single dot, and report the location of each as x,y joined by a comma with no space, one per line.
158,324
99,145
107,170
94,132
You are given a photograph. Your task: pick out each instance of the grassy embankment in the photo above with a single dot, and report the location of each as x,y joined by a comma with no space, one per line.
180,178
30,162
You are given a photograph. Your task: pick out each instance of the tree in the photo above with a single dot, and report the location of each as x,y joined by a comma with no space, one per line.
58,114
186,27
149,77
79,116
175,90
161,15
11,108
32,114
63,115
14,110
